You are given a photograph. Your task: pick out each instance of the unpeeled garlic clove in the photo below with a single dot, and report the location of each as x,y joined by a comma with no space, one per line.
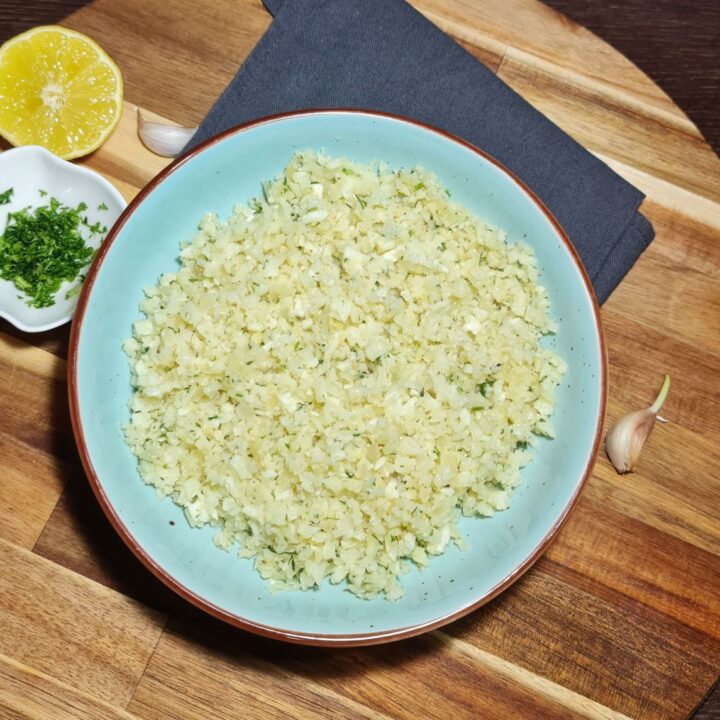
626,437
161,138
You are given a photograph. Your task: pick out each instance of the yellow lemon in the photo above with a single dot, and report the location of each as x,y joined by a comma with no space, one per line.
58,89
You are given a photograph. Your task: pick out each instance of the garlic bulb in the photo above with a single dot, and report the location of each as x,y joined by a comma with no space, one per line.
626,437
161,138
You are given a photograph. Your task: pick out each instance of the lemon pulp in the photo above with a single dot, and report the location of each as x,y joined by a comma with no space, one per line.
58,89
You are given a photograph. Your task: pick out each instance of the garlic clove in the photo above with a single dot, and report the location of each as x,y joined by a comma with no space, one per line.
626,437
162,138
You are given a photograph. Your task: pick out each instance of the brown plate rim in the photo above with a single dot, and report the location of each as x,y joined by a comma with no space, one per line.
318,639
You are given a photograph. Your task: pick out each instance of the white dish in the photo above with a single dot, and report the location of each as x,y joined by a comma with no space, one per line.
30,170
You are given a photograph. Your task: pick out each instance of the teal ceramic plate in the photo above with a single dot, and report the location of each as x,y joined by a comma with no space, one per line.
144,243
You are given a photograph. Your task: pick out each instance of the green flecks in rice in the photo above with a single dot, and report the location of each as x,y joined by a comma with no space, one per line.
338,371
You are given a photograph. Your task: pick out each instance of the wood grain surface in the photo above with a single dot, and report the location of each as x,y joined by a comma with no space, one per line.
676,43
620,618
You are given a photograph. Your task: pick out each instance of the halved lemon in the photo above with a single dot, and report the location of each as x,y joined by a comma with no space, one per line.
58,89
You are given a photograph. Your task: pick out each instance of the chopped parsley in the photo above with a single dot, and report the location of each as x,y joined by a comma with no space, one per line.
484,388
43,247
5,196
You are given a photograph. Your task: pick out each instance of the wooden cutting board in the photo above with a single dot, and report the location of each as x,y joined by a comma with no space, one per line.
621,617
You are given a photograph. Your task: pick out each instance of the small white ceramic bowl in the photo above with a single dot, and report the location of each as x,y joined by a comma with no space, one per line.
29,170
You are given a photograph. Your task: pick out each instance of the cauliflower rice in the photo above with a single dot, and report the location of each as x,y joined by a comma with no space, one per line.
338,371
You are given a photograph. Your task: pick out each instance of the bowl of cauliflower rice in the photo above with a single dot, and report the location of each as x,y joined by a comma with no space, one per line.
337,377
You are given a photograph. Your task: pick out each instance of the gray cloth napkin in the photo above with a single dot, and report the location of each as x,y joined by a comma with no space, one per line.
383,55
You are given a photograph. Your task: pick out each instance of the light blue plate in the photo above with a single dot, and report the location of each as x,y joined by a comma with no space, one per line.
144,244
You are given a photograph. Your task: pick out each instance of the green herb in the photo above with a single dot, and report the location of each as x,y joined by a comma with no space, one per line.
43,247
484,388
363,203
43,193
5,196
102,206
521,445
420,186
74,291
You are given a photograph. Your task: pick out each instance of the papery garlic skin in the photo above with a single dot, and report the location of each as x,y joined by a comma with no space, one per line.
161,138
625,439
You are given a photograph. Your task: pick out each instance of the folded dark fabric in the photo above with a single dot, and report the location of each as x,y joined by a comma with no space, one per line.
383,55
